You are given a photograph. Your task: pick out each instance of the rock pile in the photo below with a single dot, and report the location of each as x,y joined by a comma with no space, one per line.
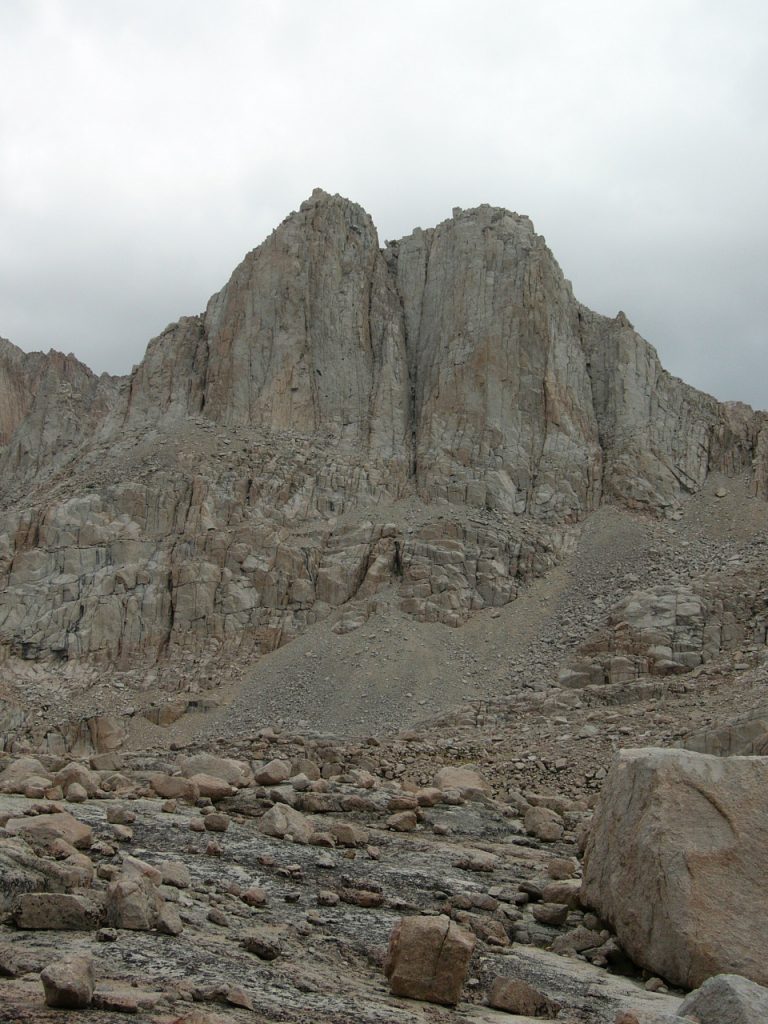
290,909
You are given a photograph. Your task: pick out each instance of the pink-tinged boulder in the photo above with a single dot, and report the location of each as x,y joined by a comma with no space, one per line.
544,823
174,787
45,829
273,773
55,910
211,786
428,958
78,774
24,772
726,999
281,821
677,862
468,783
133,902
516,996
235,773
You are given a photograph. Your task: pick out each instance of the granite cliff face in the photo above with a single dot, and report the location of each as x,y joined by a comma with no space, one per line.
503,415
49,405
425,424
306,337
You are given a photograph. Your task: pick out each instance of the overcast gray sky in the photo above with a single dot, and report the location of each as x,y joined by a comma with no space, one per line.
146,145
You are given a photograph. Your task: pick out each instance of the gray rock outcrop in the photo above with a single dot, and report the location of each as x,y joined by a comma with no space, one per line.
672,630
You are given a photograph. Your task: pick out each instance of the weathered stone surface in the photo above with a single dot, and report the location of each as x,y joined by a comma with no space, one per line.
281,821
23,871
347,833
17,776
478,860
132,902
75,793
124,999
744,736
321,347
566,891
68,983
402,821
428,958
550,913
516,996
273,773
727,999
467,782
230,770
56,911
666,631
255,896
46,829
174,787
264,943
544,823
477,341
173,872
168,920
50,403
210,786
216,822
676,862
77,774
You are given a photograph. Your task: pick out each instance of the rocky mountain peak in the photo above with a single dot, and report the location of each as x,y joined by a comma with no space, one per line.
232,489
255,544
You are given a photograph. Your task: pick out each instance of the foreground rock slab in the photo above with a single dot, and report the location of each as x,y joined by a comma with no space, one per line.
428,959
677,859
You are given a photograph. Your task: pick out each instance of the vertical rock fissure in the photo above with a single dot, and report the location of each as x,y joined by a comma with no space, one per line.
594,410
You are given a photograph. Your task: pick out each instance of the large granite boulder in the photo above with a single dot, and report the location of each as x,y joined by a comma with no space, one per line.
677,860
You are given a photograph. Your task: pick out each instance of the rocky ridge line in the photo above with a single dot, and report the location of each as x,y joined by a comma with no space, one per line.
232,490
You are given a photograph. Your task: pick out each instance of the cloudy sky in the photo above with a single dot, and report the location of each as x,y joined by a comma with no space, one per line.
146,145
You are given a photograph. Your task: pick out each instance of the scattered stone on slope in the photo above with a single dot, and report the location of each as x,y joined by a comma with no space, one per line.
65,911
428,958
517,996
68,983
